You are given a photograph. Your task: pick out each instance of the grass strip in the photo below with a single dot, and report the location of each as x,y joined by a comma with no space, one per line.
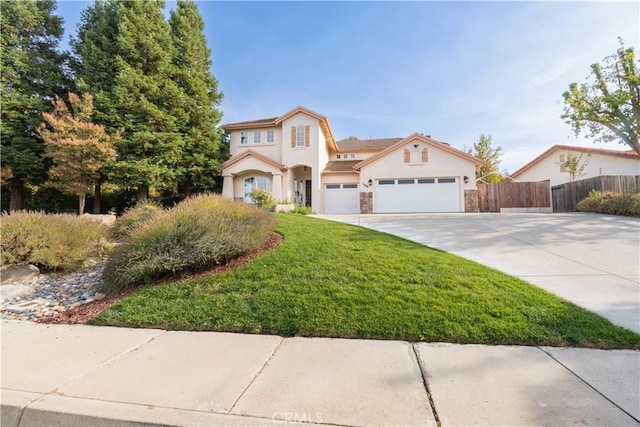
329,279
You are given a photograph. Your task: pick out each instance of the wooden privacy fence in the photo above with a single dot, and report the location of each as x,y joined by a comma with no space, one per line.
566,196
493,197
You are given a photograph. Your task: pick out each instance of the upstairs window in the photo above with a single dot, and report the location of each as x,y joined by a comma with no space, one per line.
271,136
257,137
244,138
338,156
300,136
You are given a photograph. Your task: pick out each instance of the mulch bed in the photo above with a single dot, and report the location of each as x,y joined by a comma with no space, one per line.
85,312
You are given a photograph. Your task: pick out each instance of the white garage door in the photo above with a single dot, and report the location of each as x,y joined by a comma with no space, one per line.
417,195
341,198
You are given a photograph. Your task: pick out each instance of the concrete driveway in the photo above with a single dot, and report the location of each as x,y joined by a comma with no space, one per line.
589,259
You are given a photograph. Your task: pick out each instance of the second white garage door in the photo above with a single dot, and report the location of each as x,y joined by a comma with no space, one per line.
417,195
341,198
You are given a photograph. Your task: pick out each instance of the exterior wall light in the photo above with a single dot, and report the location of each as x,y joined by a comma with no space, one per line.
370,182
466,179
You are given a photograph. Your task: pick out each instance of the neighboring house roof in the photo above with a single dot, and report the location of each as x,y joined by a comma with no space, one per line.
366,144
251,153
426,140
341,166
630,154
275,121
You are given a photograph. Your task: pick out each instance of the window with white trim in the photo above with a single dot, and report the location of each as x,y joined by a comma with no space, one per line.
300,136
257,137
244,138
271,136
252,183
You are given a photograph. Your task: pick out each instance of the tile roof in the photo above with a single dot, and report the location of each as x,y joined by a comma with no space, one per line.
341,166
630,154
356,144
269,121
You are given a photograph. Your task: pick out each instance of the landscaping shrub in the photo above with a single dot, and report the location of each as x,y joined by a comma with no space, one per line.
199,233
134,216
303,210
52,241
611,203
263,199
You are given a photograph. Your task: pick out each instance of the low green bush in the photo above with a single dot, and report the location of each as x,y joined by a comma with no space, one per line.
303,210
199,233
134,216
611,203
51,241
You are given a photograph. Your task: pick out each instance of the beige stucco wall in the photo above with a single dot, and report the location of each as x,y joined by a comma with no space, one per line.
598,164
251,166
342,178
250,163
273,151
315,156
440,164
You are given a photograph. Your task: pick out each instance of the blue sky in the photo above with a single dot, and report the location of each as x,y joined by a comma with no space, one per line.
452,70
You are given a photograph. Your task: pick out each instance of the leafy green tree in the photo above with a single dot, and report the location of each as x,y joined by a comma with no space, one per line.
78,148
608,108
31,74
483,149
198,163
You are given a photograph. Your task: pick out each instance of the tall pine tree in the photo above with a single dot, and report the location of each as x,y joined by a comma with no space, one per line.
31,74
200,160
95,52
150,103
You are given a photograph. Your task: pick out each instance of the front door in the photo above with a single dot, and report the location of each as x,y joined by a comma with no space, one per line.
307,192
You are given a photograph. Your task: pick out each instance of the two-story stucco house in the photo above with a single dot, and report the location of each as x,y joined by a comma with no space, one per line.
296,158
548,165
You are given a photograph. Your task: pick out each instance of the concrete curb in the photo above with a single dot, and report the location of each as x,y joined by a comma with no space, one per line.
22,409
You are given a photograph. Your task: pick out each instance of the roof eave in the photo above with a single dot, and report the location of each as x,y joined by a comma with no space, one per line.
249,152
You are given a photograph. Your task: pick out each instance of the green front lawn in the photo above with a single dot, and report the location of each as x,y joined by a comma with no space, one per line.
335,280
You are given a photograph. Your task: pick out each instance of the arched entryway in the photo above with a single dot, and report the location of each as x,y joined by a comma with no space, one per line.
301,185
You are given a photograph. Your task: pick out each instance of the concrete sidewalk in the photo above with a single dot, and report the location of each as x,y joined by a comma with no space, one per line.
98,376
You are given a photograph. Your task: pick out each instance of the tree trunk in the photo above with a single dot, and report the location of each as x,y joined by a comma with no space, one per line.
15,200
143,193
81,199
188,189
97,194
